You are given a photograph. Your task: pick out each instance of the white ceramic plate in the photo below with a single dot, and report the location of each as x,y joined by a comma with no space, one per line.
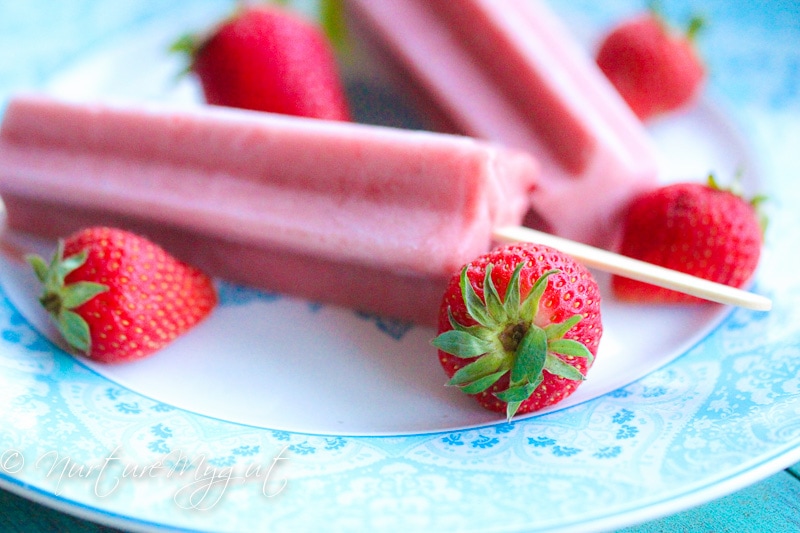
309,416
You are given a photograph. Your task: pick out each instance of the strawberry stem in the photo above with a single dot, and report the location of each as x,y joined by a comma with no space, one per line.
51,302
513,335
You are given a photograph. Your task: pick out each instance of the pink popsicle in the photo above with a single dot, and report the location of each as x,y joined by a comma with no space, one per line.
367,217
509,71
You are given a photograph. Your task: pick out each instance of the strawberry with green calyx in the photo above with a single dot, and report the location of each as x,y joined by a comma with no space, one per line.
116,296
654,68
701,229
532,346
268,58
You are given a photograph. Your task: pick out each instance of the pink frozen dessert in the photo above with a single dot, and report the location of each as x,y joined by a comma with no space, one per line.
367,217
510,72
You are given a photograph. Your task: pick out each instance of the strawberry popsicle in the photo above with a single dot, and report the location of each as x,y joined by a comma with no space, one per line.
509,71
367,217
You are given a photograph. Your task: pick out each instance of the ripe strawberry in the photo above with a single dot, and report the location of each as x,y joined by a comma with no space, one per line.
655,69
696,228
115,296
268,59
529,348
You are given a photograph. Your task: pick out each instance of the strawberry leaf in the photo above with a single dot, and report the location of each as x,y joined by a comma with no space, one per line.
511,300
517,393
185,44
54,277
758,202
695,26
475,306
77,294
75,330
530,305
511,409
556,366
513,405
530,356
480,385
478,369
475,331
558,330
69,264
332,20
493,304
461,344
39,267
570,348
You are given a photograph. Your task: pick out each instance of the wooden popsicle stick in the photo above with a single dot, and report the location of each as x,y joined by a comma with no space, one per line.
639,270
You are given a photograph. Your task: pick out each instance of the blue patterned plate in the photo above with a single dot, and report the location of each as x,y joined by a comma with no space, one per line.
212,434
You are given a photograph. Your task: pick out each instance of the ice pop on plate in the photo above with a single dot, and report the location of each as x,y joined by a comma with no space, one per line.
367,217
510,71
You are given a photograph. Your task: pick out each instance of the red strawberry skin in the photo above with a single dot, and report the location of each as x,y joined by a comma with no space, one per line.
269,59
654,69
571,291
152,298
694,228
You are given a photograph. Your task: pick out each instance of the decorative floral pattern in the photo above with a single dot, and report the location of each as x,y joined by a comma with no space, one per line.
728,406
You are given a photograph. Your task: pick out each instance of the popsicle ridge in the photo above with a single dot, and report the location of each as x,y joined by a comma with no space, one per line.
491,34
515,75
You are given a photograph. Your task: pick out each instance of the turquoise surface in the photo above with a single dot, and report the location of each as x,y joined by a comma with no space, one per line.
754,61
770,506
